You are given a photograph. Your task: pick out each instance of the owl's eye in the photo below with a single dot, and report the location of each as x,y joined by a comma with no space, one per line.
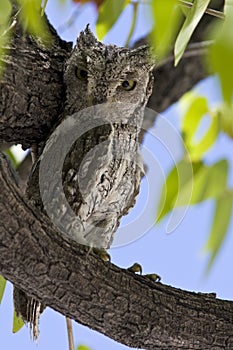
128,85
81,73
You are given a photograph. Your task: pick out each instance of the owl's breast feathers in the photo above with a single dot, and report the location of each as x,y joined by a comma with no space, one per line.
103,187
101,176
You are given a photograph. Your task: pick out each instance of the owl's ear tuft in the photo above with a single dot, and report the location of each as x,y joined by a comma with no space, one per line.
139,56
145,56
86,38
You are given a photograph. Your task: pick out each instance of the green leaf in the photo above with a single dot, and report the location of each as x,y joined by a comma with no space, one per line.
12,157
225,113
197,150
197,184
109,12
211,182
227,8
2,287
17,323
180,177
83,347
194,16
30,16
191,183
196,109
220,54
221,221
208,182
166,16
5,11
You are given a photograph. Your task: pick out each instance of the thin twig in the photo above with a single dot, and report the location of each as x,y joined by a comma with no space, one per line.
133,24
193,49
188,4
70,333
209,11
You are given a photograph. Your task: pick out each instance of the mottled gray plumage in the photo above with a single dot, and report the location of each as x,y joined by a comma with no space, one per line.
106,66
102,171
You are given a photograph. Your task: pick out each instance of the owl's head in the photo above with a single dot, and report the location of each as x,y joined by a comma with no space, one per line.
97,73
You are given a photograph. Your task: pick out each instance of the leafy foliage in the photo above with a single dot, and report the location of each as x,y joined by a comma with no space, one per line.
12,157
192,19
31,19
109,12
225,118
17,323
179,179
192,181
221,53
197,109
2,287
166,17
221,220
83,347
5,12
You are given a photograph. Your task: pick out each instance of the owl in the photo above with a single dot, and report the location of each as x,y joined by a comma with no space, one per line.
88,173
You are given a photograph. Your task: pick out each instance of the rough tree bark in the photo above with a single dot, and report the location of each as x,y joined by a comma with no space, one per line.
31,89
61,273
126,307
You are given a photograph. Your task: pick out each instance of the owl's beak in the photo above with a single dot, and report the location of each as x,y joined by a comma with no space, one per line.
96,100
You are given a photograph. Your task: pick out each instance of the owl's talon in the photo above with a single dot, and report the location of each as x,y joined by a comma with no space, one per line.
135,268
153,277
102,253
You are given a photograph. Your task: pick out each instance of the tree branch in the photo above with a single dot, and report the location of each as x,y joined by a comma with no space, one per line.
126,307
31,89
172,82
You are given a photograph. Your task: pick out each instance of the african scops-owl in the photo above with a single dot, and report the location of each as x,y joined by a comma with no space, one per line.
107,89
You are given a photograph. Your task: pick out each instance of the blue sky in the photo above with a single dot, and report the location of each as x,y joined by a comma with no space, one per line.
178,257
